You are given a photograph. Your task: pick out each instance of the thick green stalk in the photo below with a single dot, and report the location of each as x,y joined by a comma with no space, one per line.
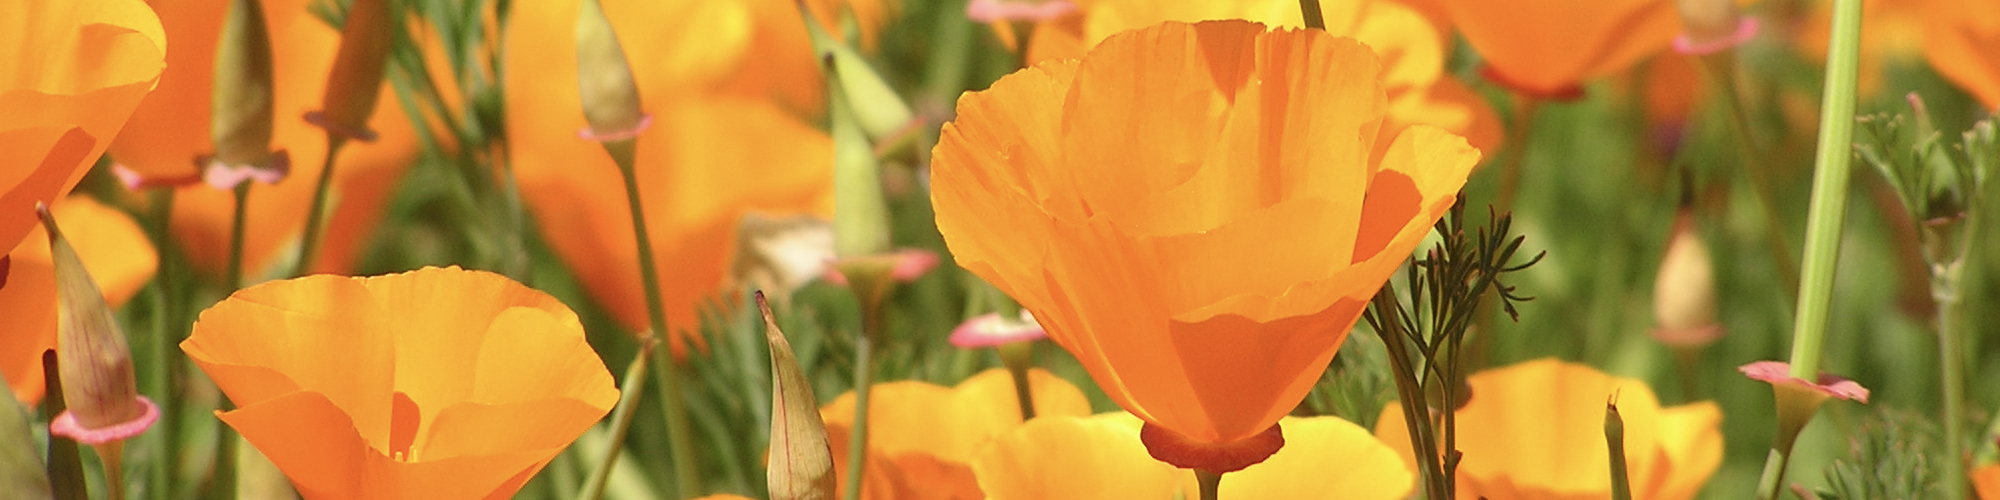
309,245
624,152
1210,482
1829,193
621,421
1951,370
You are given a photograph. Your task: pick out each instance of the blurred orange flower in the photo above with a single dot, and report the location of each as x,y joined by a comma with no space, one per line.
1986,480
1893,32
922,437
74,72
1549,48
1412,48
1534,431
1100,457
1146,204
171,128
1960,37
115,252
437,383
706,162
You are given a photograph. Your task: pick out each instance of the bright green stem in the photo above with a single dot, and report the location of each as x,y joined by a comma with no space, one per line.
236,229
1310,9
315,218
621,421
857,444
1211,482
1951,371
1772,483
1829,193
679,446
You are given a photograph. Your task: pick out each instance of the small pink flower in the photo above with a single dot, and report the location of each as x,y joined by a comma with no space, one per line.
1745,30
911,263
989,11
990,330
66,425
1779,373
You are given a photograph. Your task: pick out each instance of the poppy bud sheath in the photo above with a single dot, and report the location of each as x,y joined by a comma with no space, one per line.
1192,211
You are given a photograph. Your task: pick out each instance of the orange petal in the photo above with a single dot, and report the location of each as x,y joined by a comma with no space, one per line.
923,434
36,165
1960,38
1547,46
74,64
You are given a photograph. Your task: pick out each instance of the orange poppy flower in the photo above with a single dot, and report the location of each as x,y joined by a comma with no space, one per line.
1961,35
115,252
74,72
1986,480
706,162
1412,49
1535,430
922,437
1100,457
1146,204
1548,48
437,383
171,128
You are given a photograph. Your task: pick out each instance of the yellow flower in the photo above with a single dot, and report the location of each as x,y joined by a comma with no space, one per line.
1193,212
437,383
1535,431
922,437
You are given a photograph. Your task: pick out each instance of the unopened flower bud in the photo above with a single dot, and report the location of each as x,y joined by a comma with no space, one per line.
801,460
604,77
356,81
96,366
240,108
1684,291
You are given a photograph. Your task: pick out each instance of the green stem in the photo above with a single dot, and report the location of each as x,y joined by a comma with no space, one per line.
315,217
1772,483
236,229
1829,193
630,391
857,445
1517,152
1019,358
625,152
1314,20
166,360
1211,482
1951,368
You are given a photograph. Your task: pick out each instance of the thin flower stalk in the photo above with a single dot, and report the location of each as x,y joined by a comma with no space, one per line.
668,371
630,390
1823,224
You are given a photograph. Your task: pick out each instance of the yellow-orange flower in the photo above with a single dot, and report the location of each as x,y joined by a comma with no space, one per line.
922,437
437,383
1412,48
1100,457
1548,48
171,128
1959,38
1535,431
1192,211
113,249
706,161
74,72
1986,480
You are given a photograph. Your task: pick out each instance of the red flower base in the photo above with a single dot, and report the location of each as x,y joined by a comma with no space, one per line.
1179,451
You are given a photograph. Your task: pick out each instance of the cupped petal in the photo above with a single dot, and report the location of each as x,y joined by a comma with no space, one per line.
1324,457
1069,457
530,354
77,64
311,439
1546,46
1690,450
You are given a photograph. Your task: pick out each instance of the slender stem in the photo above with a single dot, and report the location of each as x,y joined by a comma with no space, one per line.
857,445
630,392
1019,357
1211,482
236,229
1310,9
1951,371
113,456
315,218
166,361
1772,483
1829,194
1024,394
1510,167
679,444
1415,411
224,478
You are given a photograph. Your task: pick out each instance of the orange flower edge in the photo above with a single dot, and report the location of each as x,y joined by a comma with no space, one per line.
1179,451
1564,93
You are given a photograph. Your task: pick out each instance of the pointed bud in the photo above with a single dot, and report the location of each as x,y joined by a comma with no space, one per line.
96,366
240,109
604,78
876,107
366,36
860,213
1684,291
1614,440
801,459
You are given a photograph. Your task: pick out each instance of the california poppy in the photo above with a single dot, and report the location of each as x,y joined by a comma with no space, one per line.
1548,48
1535,430
1192,211
114,250
1100,457
1959,37
436,383
1412,48
170,129
706,162
922,436
74,72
